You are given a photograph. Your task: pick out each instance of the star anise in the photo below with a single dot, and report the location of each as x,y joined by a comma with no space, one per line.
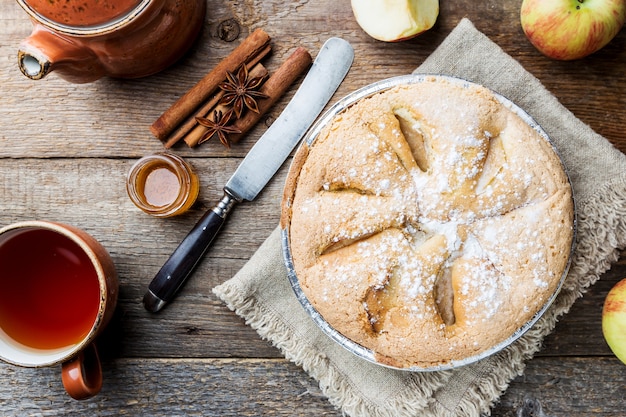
241,92
218,126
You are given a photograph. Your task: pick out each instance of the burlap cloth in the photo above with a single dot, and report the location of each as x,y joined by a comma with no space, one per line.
261,292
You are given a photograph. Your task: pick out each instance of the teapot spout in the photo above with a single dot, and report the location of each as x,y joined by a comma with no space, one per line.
32,66
45,51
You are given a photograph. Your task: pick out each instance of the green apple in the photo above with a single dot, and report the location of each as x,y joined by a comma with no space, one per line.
571,29
395,20
614,320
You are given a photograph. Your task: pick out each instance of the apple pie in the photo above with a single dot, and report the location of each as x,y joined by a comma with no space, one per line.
428,222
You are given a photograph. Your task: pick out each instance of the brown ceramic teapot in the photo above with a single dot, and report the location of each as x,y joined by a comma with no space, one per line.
88,39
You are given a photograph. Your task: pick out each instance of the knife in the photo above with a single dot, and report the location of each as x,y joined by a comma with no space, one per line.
258,167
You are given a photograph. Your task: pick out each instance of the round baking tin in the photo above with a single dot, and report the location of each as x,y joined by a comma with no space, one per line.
349,344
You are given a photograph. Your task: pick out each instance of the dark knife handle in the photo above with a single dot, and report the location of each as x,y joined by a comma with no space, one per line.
182,262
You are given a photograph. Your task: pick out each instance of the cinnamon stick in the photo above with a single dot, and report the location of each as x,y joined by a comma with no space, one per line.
275,87
255,70
254,45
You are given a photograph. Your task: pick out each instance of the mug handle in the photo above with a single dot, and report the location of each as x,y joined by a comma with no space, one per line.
82,375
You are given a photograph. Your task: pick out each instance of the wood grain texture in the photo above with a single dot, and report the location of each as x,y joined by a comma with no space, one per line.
65,150
574,387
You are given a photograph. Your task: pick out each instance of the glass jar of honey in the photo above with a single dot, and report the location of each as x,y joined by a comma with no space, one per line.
162,184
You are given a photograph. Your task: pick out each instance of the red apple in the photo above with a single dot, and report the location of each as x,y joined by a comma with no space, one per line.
614,320
571,29
395,20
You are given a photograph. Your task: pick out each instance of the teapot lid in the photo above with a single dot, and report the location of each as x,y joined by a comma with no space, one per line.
88,17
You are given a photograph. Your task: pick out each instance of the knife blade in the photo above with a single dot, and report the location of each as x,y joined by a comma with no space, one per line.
263,161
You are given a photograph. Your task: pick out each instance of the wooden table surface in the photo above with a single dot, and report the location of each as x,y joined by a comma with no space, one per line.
65,150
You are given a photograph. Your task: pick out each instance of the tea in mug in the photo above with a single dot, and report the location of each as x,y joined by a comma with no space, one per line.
49,289
82,12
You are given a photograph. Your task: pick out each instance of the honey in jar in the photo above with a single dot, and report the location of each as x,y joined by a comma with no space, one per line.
162,184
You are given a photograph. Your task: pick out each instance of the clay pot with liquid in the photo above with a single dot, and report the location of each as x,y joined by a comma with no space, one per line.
85,41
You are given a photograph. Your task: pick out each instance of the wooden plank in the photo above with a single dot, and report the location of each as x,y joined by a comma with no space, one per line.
84,120
571,387
567,387
171,388
579,333
91,193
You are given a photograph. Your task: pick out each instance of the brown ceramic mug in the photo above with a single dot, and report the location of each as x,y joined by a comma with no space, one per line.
116,38
58,290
